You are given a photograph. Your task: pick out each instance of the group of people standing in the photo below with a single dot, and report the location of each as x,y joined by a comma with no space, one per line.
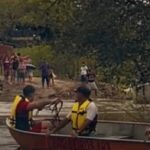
14,68
87,78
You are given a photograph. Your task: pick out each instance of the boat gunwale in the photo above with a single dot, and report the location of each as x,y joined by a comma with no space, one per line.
104,121
80,137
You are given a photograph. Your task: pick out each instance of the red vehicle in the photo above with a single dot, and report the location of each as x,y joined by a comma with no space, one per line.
110,135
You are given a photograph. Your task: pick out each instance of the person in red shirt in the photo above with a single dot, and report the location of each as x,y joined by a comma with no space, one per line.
14,67
6,66
23,106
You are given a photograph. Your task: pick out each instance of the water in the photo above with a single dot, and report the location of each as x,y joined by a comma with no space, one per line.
6,141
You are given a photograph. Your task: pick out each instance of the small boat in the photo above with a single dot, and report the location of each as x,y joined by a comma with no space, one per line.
110,135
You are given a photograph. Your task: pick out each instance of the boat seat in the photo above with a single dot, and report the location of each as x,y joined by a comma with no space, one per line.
118,137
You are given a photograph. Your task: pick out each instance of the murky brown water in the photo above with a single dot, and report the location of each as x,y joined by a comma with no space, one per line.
6,141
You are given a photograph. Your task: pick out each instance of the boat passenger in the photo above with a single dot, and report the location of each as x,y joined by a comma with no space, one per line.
21,111
83,115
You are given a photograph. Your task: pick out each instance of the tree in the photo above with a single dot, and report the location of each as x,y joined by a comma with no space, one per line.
9,15
115,33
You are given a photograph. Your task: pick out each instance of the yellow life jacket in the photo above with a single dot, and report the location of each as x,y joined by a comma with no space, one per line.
16,101
78,116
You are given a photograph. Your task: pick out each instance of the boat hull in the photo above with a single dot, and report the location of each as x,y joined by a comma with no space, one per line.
35,141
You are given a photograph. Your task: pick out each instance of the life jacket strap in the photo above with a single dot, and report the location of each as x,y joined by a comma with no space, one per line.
79,113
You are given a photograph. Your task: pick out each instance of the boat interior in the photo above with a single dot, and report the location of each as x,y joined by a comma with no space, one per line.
116,130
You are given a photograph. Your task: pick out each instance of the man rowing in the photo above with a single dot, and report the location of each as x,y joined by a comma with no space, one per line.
83,115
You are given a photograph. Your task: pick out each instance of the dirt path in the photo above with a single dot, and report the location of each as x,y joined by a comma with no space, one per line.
63,88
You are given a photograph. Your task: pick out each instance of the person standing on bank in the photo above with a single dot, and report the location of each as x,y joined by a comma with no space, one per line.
6,68
15,65
45,69
30,74
91,81
83,115
21,72
83,73
51,77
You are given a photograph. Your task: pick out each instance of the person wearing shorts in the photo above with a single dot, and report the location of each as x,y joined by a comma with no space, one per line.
30,74
15,65
21,71
83,73
51,77
91,81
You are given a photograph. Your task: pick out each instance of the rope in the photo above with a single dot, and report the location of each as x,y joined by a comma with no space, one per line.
56,108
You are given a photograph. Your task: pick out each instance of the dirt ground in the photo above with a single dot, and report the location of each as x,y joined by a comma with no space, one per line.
61,87
65,90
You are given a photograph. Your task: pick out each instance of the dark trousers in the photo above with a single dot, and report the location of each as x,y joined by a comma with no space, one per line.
45,78
83,78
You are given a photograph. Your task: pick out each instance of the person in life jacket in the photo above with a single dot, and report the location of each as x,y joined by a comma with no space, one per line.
21,111
83,115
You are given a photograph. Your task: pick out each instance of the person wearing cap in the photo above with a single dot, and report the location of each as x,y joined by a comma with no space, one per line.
83,116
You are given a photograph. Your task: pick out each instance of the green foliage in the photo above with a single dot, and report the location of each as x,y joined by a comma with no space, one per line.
111,36
46,13
38,53
62,64
8,16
